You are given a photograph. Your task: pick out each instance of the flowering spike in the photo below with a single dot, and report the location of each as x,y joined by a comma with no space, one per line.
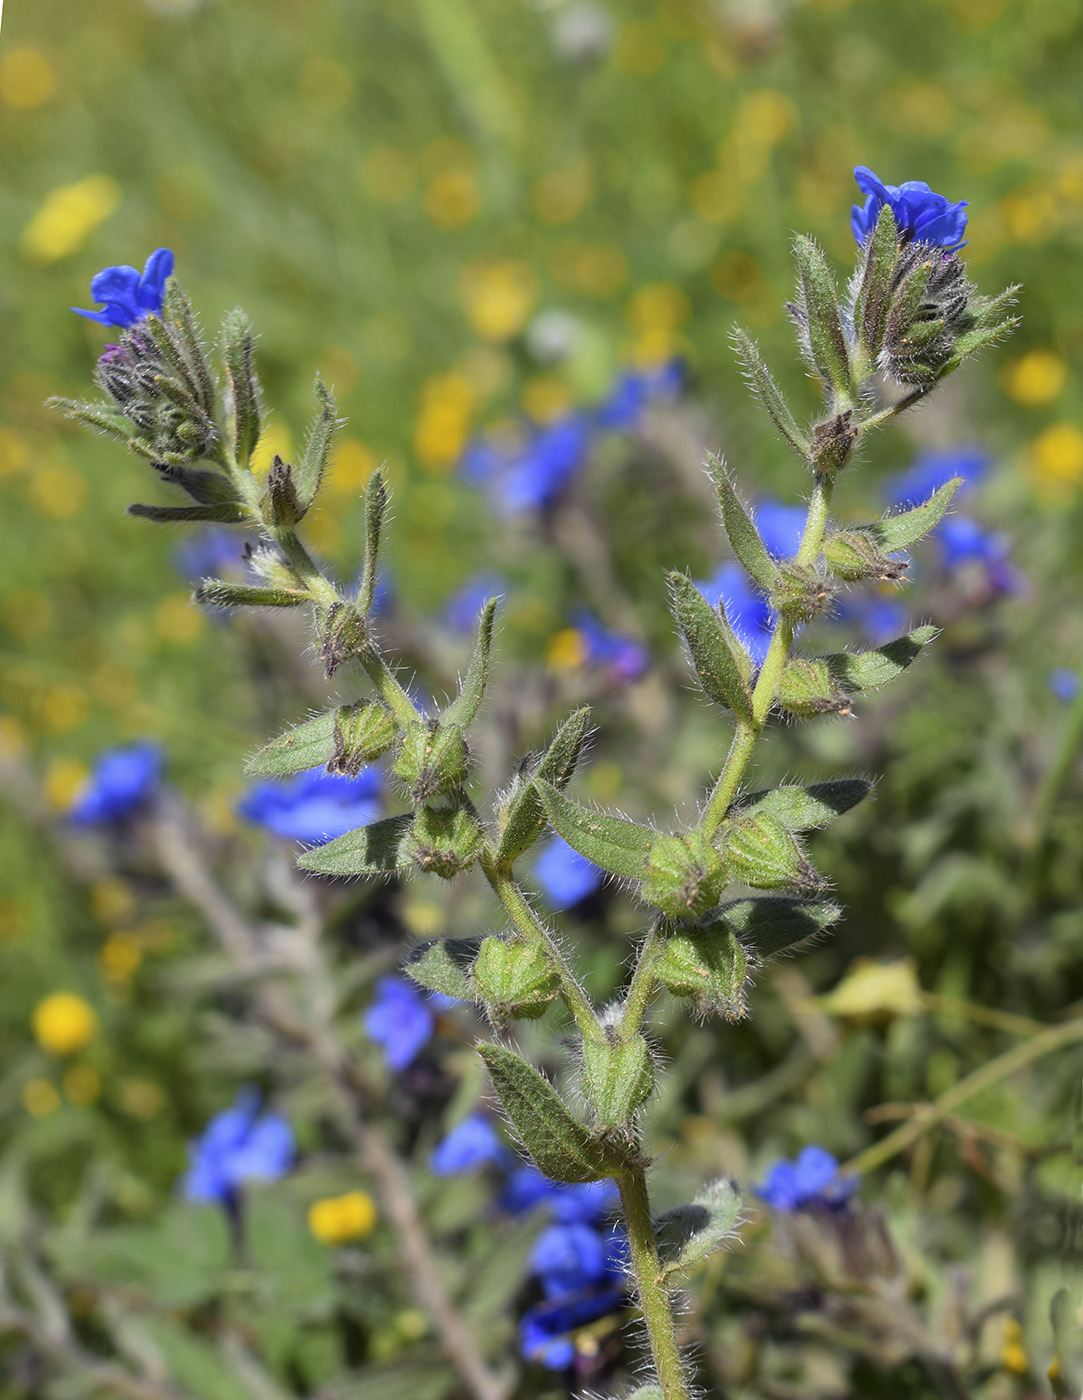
919,214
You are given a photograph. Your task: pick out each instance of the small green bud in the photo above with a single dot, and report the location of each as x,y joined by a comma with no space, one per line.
853,555
432,760
618,1076
808,689
283,505
832,443
707,964
683,874
513,980
443,840
765,854
341,635
362,733
800,593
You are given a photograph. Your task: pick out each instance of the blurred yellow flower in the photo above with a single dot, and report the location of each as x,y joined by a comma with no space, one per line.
498,297
1013,1356
560,195
567,650
452,198
64,1023
141,1098
120,957
1036,378
1055,460
58,491
545,397
339,1219
14,453
65,778
26,78
67,218
592,269
40,1097
63,708
765,116
660,306
354,462
82,1084
871,990
443,422
13,739
715,197
177,619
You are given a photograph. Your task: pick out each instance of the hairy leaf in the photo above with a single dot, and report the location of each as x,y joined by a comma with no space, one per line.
463,710
376,502
743,535
866,670
614,843
523,815
827,342
767,391
900,531
802,808
768,925
238,357
227,513
370,850
689,1234
309,470
309,744
618,1076
220,593
721,661
444,966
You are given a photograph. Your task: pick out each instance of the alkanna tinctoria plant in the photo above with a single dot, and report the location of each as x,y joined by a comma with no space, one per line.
723,893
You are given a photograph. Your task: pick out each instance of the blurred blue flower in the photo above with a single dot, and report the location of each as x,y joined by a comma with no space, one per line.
920,215
120,782
622,409
526,1188
624,658
1065,684
964,541
238,1145
545,1329
472,1143
932,469
564,875
314,806
568,1257
812,1180
462,608
780,527
211,553
879,619
533,475
400,1019
746,608
129,296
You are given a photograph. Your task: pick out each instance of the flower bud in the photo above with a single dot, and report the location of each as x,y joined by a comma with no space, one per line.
513,980
433,759
800,593
684,874
764,854
929,312
807,689
341,635
362,733
618,1076
285,505
832,443
443,840
707,964
853,555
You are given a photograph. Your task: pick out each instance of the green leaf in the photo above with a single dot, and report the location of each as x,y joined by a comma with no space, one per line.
743,535
650,1391
227,513
370,850
769,925
763,385
618,1076
562,1148
376,502
239,360
877,280
803,808
309,471
522,815
827,342
98,416
463,710
688,1235
194,1363
614,843
444,966
307,745
721,661
866,670
900,531
221,593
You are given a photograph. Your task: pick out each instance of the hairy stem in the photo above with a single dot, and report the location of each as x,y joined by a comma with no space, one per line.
654,1300
641,987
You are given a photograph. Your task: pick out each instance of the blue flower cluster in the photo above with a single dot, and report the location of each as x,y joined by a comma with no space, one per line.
314,806
128,294
122,781
920,215
812,1180
565,876
530,474
238,1145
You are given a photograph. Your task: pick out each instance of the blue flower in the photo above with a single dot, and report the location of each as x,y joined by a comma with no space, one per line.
1064,684
210,553
579,1269
812,1180
746,608
624,658
964,541
532,476
780,527
545,1329
471,1143
128,297
238,1145
121,781
934,468
526,1188
565,876
462,608
622,409
314,806
920,214
401,1020
879,619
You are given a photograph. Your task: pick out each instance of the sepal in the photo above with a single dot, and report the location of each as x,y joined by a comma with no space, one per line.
743,535
377,849
683,874
376,503
854,557
520,813
762,852
341,634
243,404
763,385
808,688
443,841
689,1234
362,733
563,1149
618,1077
722,663
832,442
432,759
876,285
444,966
513,980
705,963
800,593
284,508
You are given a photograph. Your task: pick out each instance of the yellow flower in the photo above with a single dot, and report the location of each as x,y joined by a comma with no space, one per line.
1056,460
339,1219
67,218
40,1098
1036,378
1013,1356
26,78
567,650
443,424
64,1023
871,990
498,298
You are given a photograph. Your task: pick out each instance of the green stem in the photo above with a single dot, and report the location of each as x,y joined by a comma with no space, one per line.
991,1073
654,1300
387,687
641,988
774,663
534,930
